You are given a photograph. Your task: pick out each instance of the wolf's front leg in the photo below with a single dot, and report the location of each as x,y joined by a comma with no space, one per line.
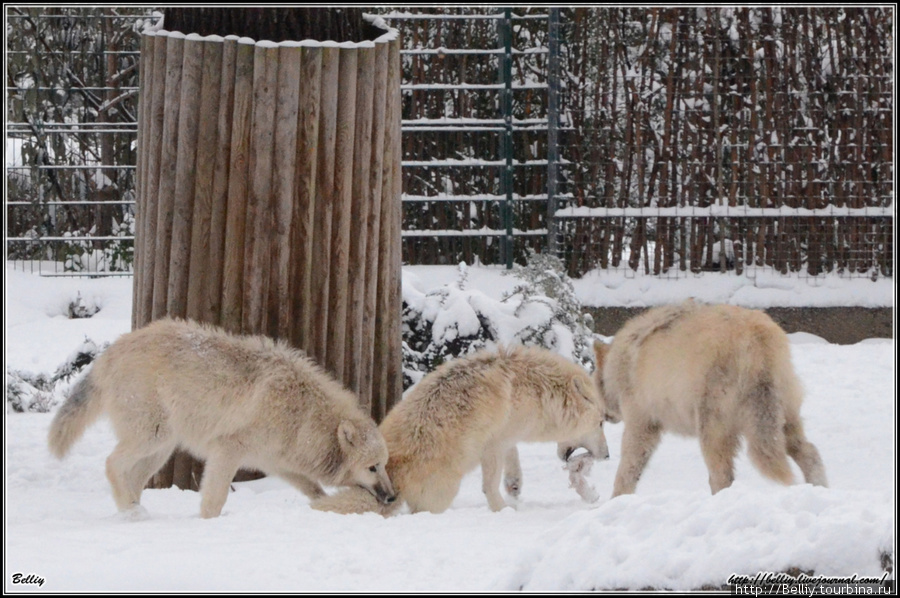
639,440
220,469
309,487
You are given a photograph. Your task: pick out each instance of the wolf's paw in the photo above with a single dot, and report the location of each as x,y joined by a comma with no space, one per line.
133,513
579,466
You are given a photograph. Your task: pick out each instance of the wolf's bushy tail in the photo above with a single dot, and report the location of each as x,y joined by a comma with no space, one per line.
79,411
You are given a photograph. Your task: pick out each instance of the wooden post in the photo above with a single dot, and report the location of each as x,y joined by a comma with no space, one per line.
186,158
304,202
207,234
373,231
236,204
339,280
362,193
258,241
269,203
321,266
165,192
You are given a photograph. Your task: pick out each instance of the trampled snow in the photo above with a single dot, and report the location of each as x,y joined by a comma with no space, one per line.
61,525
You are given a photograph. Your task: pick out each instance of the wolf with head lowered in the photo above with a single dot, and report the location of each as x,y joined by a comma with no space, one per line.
235,401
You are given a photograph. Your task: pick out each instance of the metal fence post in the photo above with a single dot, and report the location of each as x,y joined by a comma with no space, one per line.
506,34
553,132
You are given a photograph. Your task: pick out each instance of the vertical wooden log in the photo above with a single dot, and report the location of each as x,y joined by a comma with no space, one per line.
168,164
257,255
279,314
150,201
382,386
185,177
141,177
373,230
343,201
304,208
324,202
395,340
152,146
219,218
360,205
184,170
233,272
204,259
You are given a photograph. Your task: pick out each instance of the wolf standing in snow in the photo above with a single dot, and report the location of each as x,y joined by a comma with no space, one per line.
235,401
473,411
714,371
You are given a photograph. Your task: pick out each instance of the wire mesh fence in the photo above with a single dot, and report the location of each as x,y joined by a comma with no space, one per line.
71,134
855,246
719,138
656,141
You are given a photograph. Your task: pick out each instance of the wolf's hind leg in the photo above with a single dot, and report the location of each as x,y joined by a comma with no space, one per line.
119,465
512,472
804,453
129,467
719,446
491,465
144,469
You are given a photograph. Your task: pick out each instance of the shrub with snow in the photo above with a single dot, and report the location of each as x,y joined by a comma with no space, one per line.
40,393
452,321
545,280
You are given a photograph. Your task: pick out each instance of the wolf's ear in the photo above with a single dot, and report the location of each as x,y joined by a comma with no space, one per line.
582,390
348,434
600,351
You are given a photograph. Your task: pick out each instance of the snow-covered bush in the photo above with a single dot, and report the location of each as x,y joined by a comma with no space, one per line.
27,392
452,320
545,280
442,324
115,255
79,308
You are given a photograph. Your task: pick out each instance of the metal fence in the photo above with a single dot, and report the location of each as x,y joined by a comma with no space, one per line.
71,132
719,138
660,141
475,130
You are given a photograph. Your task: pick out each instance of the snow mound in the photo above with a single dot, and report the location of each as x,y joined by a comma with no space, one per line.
678,540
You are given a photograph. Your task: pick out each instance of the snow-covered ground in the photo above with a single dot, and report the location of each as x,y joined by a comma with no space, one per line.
62,529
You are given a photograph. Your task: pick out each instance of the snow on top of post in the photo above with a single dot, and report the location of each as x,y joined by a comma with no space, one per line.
390,34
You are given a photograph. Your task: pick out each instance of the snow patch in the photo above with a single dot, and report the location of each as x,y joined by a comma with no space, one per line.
653,541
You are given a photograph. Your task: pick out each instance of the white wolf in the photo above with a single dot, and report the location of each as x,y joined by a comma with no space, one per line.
236,401
714,371
473,411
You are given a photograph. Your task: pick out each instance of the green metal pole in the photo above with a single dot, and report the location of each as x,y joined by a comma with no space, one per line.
507,179
553,134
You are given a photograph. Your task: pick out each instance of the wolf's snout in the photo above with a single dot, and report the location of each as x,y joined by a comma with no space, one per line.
383,491
385,498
